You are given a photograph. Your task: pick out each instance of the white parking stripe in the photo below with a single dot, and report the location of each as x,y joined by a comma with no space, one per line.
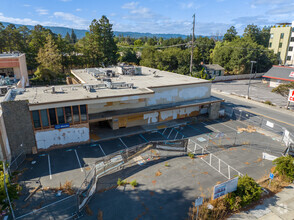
123,143
170,133
164,130
49,165
101,149
176,136
79,161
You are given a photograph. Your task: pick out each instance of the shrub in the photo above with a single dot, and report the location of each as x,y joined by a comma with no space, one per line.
247,191
191,155
285,166
134,183
283,89
121,182
268,103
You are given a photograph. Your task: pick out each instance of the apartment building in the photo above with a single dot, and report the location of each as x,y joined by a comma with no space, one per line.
279,40
290,53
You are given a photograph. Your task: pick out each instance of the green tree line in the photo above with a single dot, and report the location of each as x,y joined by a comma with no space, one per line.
50,56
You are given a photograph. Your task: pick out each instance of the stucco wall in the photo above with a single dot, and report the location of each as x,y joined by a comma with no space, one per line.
118,105
54,137
171,94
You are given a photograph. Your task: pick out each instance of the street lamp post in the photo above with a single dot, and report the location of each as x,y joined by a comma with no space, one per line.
252,62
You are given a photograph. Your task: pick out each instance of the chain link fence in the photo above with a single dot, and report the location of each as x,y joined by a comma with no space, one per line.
278,132
65,208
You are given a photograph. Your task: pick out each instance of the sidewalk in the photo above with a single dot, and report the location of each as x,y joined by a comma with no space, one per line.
280,206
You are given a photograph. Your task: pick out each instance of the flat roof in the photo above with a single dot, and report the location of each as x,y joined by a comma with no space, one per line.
67,93
10,55
141,87
145,80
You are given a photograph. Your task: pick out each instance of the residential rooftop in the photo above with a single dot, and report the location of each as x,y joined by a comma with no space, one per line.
92,87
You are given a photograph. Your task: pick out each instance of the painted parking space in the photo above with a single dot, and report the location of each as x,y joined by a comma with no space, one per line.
112,146
133,140
90,153
153,136
63,160
35,166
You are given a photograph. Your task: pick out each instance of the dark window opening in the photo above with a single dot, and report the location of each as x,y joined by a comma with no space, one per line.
60,115
83,110
68,115
36,119
44,117
76,115
52,116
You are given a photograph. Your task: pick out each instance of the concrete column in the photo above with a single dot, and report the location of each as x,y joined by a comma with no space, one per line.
213,111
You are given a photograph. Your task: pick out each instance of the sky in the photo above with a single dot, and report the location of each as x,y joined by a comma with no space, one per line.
213,17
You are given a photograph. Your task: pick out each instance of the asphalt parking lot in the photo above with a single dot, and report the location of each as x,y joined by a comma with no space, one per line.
53,168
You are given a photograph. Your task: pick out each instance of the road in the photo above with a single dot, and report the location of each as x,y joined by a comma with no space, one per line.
280,116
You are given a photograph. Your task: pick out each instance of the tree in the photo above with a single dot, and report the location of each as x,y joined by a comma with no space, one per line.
49,58
67,37
253,32
13,38
12,189
37,40
2,38
283,89
235,56
231,34
73,37
265,36
138,43
129,56
102,48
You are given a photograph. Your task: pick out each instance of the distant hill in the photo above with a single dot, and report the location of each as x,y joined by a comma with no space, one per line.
81,33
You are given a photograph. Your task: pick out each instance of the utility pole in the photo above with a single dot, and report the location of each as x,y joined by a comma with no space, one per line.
252,62
191,61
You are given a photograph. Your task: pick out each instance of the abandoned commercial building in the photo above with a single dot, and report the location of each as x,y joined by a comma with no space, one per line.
102,98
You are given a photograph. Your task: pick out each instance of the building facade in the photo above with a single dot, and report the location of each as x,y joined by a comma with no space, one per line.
13,67
290,53
279,40
214,70
106,98
279,75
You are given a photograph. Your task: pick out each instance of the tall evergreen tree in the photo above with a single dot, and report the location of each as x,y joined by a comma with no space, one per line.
102,46
231,34
73,37
2,37
67,37
50,60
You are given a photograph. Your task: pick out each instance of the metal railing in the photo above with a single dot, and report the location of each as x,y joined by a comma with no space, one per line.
213,161
16,162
